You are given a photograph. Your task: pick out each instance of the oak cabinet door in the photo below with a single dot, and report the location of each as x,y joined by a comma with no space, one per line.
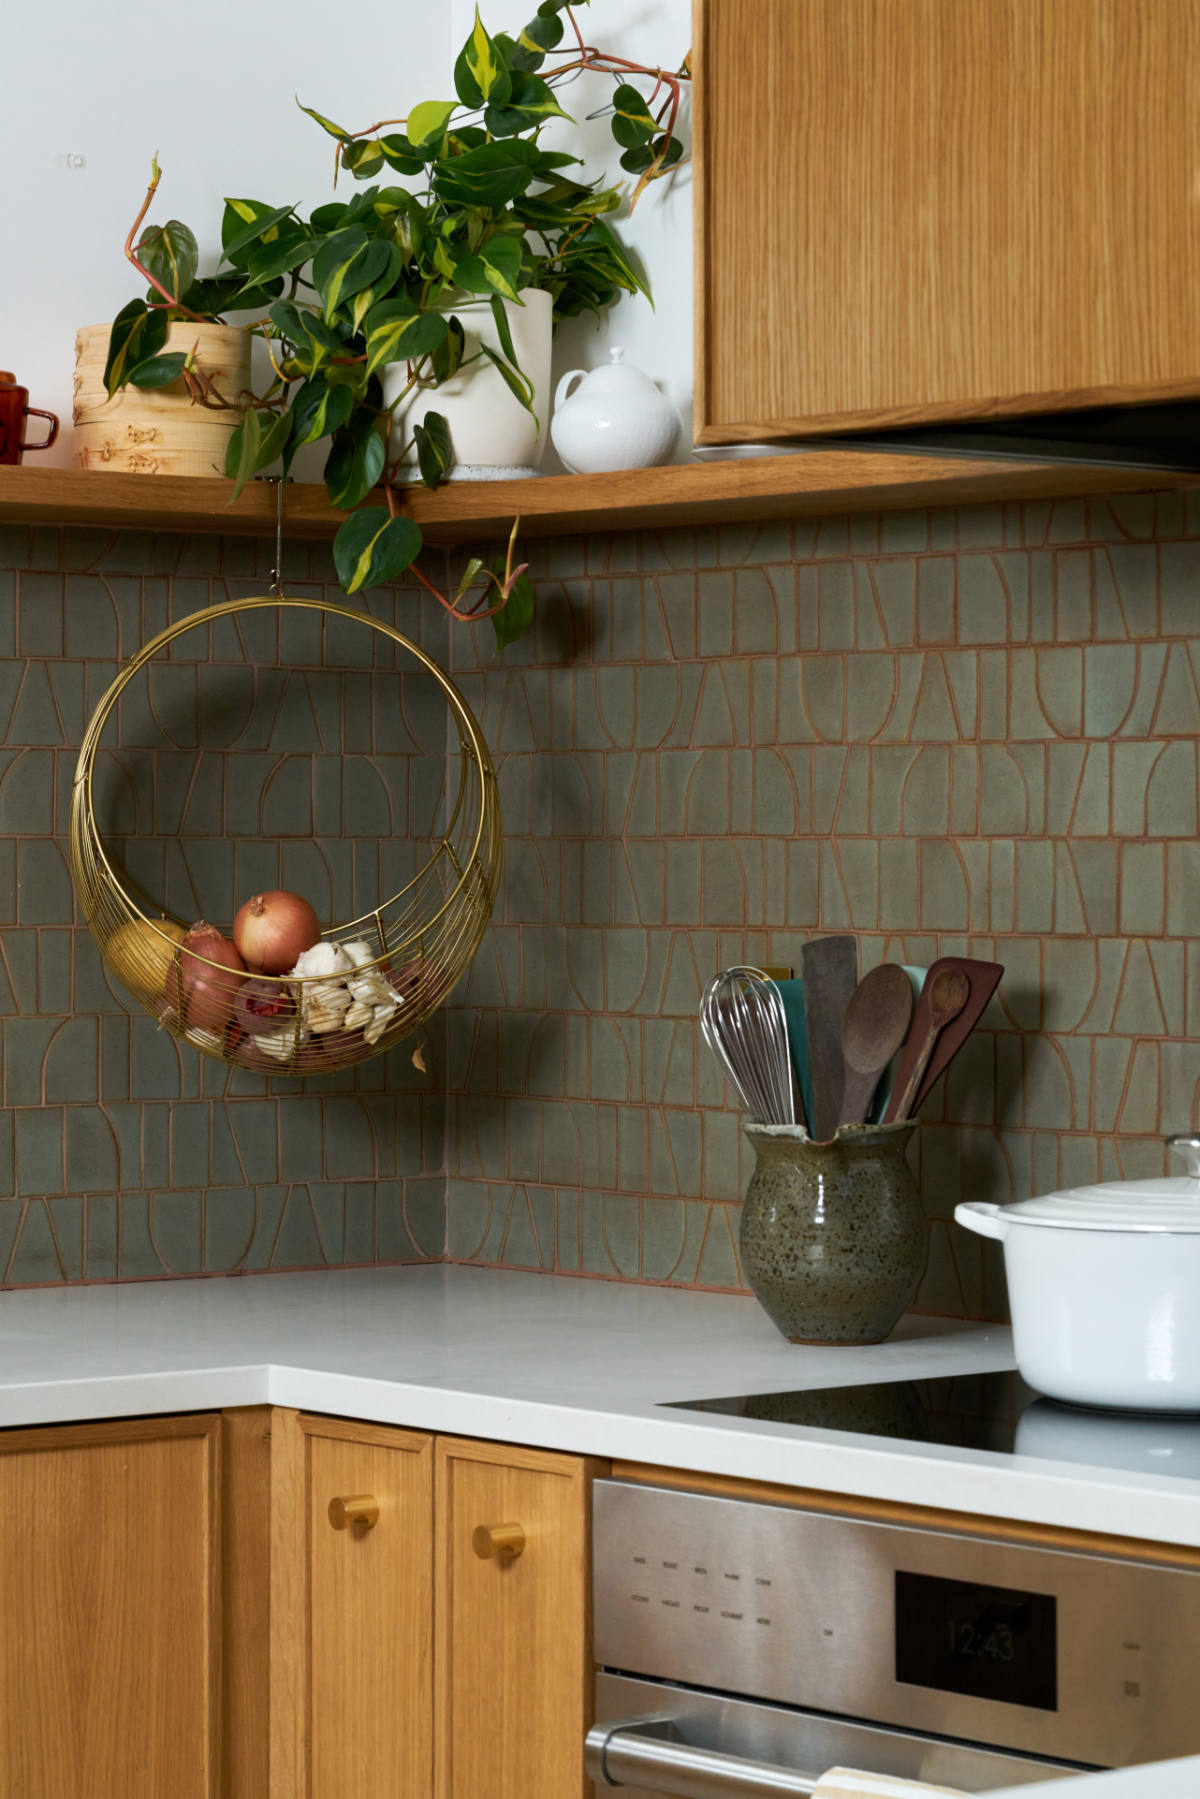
513,1621
914,211
109,1610
370,1616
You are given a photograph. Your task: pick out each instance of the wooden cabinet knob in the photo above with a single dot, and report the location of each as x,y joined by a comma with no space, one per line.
361,1509
504,1540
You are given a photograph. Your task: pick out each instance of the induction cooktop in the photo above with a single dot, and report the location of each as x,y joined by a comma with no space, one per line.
995,1412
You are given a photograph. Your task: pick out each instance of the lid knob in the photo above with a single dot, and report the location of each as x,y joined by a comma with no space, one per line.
1188,1151
616,354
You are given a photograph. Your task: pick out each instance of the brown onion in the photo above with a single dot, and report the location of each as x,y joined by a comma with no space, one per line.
273,930
209,993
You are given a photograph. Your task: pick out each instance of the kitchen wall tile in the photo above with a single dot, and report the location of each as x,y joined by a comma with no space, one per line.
919,727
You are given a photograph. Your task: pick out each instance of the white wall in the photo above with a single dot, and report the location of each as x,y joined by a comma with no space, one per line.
210,88
220,114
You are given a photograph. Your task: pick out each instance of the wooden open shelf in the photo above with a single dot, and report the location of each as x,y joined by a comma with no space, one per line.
820,481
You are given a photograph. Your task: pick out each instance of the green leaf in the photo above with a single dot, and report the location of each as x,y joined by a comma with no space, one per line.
347,262
434,452
491,175
328,217
635,160
399,154
289,250
363,158
529,105
275,440
500,314
325,124
170,253
242,454
397,332
372,547
312,337
355,462
514,380
245,222
468,578
212,295
516,615
632,121
137,333
318,410
159,371
481,72
443,262
427,122
449,353
599,245
533,41
493,270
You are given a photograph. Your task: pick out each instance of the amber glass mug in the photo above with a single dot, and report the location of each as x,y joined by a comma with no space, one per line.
14,410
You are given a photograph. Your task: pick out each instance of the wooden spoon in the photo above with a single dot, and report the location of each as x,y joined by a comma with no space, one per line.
942,999
876,1024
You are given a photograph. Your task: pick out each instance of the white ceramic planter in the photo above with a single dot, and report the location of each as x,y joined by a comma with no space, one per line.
1104,1286
493,437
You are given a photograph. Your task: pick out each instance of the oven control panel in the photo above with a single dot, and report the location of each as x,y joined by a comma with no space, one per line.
1072,1655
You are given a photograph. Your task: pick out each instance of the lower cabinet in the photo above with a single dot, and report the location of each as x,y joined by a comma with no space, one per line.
110,1612
265,1604
511,1622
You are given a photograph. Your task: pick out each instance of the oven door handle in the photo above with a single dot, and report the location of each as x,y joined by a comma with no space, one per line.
647,1753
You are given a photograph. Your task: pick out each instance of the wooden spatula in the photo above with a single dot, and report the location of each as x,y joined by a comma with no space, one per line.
876,1024
943,997
829,970
984,978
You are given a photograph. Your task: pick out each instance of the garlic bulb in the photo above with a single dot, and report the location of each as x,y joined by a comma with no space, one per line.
281,1044
323,960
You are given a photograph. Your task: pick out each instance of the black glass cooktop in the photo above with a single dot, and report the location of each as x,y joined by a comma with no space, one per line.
981,1411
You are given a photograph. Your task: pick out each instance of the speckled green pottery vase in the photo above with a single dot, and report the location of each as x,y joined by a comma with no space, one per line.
834,1237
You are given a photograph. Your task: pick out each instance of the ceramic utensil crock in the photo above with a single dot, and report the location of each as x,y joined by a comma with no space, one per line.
616,418
1104,1285
833,1235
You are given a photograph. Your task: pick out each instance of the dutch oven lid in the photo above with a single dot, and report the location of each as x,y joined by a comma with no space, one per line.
1167,1204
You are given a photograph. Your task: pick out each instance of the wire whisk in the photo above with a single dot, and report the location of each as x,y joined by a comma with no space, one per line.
745,1026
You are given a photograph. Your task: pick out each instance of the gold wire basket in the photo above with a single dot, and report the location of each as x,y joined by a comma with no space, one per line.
419,942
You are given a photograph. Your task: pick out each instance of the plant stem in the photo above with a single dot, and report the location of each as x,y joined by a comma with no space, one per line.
171,299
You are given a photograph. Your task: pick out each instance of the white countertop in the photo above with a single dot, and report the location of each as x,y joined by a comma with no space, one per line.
561,1363
564,1364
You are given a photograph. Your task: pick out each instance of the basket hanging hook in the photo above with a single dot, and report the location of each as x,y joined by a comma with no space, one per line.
278,482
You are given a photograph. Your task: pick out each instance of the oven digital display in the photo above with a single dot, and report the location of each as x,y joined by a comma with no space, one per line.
988,1642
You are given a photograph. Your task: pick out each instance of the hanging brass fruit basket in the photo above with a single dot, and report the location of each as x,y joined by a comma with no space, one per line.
392,967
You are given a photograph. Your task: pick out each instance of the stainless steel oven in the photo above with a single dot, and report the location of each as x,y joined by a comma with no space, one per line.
745,1648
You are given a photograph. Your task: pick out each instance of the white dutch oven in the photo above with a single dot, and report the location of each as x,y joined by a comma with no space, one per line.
1104,1285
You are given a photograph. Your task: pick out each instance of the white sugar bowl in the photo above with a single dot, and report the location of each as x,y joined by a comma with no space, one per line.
615,418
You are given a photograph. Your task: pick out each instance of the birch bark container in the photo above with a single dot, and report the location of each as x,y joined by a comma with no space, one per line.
158,431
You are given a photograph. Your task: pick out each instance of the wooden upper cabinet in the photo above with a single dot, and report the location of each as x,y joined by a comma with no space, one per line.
109,1611
514,1674
914,211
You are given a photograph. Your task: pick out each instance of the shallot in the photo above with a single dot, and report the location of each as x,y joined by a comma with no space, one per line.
211,971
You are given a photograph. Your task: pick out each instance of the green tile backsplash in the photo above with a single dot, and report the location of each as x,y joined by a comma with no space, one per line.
965,731
970,731
267,752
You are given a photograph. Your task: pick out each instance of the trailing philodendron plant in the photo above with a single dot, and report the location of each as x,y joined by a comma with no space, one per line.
484,213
